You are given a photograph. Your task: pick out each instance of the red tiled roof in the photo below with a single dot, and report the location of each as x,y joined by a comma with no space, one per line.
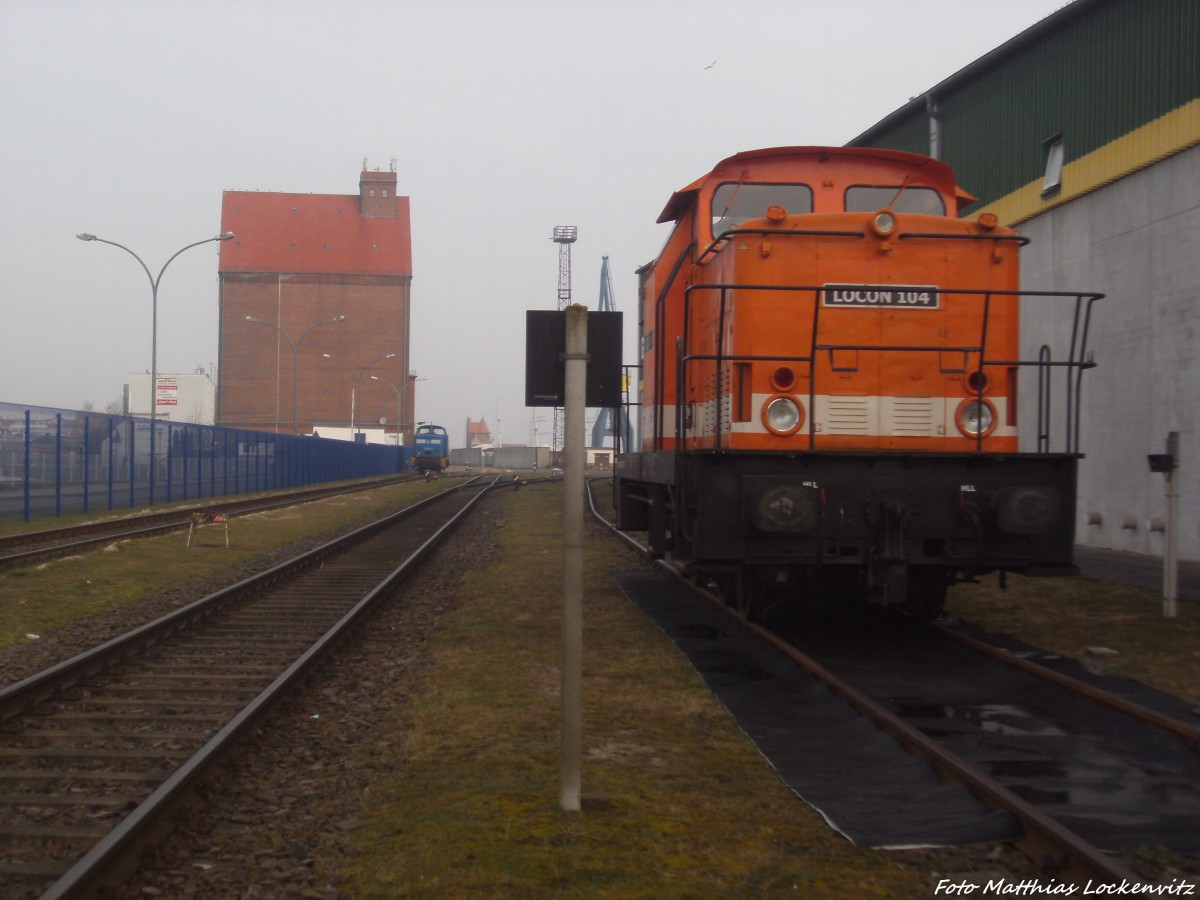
479,427
312,233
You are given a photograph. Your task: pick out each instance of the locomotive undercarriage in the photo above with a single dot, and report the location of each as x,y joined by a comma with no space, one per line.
428,465
809,530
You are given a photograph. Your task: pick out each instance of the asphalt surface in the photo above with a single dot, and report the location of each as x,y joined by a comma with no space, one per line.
1138,571
864,783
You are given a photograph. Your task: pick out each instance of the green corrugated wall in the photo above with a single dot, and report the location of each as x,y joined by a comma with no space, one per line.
1103,72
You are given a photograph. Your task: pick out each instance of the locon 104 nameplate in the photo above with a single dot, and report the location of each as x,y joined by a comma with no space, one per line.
916,296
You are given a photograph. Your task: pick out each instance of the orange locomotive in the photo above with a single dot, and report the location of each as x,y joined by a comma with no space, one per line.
830,368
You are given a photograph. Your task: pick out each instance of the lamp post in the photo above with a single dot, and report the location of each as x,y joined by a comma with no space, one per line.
295,354
397,390
359,372
154,324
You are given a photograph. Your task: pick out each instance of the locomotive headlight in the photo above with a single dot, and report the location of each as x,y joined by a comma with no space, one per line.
884,223
786,508
976,417
1028,510
783,415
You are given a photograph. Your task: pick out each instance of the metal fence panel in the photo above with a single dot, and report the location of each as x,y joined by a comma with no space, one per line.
56,462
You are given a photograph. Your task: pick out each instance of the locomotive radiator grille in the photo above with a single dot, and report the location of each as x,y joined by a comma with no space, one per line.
898,416
848,415
913,417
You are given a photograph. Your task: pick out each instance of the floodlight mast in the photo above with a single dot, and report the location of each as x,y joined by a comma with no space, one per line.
564,236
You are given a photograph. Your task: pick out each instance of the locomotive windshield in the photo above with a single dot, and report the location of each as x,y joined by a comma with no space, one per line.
734,203
924,200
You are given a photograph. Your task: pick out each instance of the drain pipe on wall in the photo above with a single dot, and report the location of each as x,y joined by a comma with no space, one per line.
1167,463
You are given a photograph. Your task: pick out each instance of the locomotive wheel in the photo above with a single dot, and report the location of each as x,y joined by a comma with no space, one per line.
744,596
737,591
926,594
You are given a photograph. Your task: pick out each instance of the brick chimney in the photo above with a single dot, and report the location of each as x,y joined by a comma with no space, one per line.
377,194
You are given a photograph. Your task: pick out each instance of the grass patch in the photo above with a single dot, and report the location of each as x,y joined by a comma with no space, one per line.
689,807
1069,615
38,599
121,509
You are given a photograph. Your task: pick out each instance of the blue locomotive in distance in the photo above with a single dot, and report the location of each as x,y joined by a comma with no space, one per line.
431,448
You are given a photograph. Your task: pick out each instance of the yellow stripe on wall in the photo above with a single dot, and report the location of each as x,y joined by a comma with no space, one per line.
1154,141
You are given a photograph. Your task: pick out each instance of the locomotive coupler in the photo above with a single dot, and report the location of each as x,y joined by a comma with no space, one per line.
887,567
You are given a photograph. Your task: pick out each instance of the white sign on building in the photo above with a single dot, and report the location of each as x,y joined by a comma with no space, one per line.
188,398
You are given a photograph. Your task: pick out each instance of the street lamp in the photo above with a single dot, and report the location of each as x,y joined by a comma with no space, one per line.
295,353
359,372
228,235
397,390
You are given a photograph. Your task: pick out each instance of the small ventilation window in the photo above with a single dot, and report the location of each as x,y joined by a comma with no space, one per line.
1052,150
385,193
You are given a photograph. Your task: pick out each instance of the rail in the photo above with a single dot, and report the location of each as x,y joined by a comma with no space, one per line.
1190,734
84,876
26,547
1078,857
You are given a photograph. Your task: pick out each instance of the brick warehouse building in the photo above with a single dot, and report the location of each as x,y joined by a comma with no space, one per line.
299,262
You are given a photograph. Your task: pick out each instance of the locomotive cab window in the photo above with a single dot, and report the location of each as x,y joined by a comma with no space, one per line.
898,198
733,203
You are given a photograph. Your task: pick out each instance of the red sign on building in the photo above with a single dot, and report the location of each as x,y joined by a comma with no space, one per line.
166,392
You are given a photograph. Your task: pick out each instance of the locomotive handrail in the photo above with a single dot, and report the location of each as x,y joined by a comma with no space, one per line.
916,348
1087,321
660,313
712,248
795,232
811,433
626,380
1083,295
1018,239
1077,358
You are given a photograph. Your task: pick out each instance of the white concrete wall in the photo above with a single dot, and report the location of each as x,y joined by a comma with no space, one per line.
190,398
1138,242
521,458
364,435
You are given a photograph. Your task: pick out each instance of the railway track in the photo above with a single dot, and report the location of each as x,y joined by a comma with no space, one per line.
31,547
1057,847
97,749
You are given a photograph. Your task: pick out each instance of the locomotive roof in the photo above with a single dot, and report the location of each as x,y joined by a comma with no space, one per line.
938,171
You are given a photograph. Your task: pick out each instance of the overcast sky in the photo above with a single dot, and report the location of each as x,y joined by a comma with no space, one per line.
505,118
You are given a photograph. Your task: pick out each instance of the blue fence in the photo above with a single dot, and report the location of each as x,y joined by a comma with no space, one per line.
59,462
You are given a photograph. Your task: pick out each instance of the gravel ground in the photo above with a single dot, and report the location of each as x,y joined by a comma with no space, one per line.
274,821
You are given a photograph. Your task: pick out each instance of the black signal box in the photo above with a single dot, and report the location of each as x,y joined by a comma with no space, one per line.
545,370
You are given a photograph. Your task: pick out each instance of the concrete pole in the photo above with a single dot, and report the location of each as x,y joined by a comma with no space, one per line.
574,403
1171,555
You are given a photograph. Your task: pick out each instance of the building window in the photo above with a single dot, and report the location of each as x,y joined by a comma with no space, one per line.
1052,150
385,193
371,193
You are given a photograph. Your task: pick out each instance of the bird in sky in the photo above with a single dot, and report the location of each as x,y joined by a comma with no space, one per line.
710,65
